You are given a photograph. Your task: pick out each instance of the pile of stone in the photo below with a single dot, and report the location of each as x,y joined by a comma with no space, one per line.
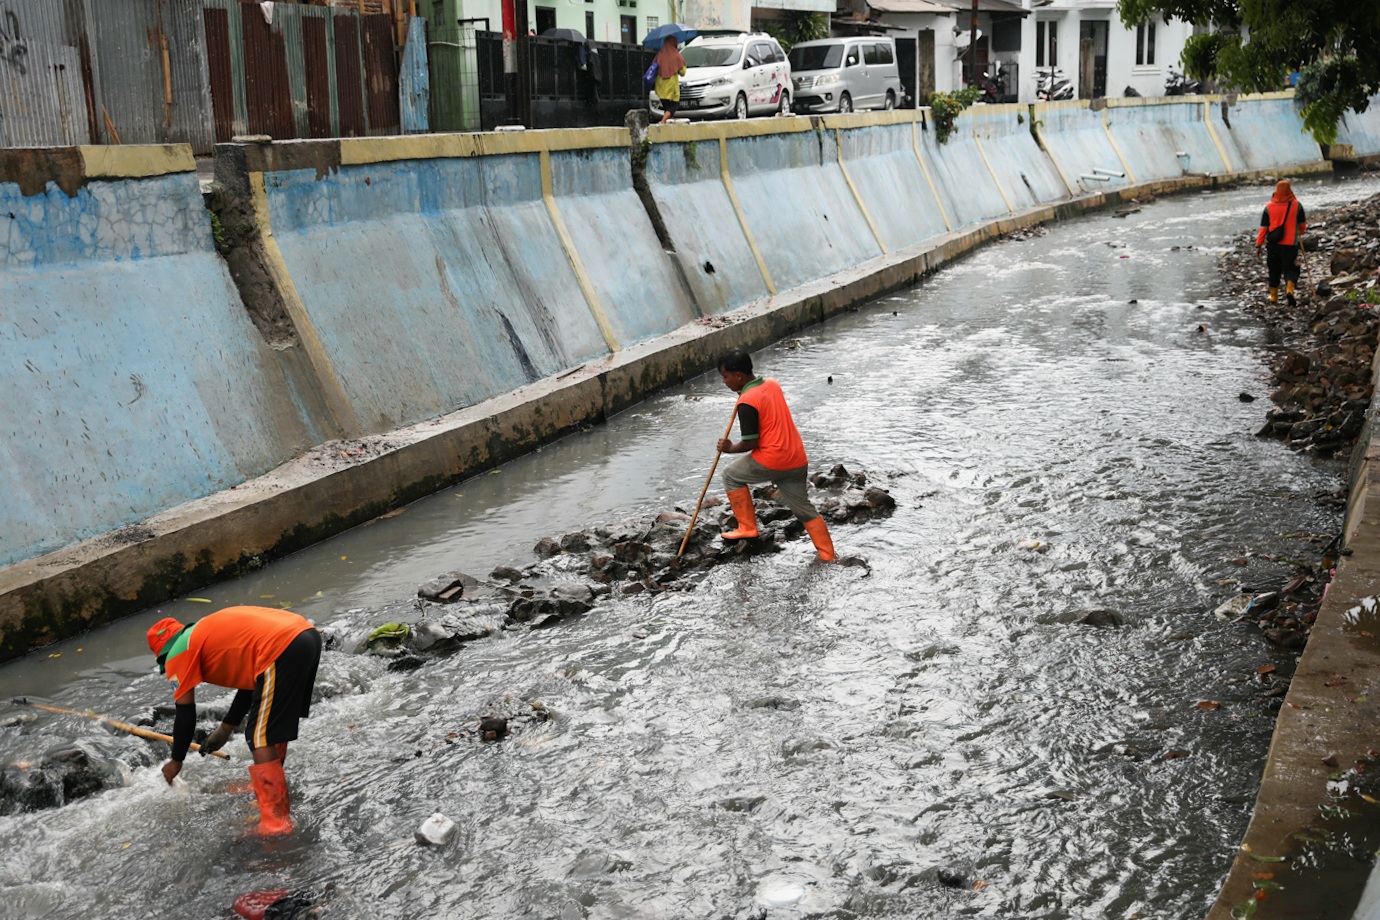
1326,343
575,570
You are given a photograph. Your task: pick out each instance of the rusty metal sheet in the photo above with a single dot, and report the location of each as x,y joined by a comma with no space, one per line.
221,68
267,94
380,75
316,66
349,77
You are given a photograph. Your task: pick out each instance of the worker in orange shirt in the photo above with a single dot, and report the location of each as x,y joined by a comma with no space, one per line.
1281,224
777,454
270,658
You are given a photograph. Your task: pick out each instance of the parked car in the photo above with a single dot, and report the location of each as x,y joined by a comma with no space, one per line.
733,75
845,74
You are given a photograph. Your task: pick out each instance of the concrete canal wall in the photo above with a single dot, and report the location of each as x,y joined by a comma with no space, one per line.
455,300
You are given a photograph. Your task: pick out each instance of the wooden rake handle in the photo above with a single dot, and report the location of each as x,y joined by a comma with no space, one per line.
122,726
710,478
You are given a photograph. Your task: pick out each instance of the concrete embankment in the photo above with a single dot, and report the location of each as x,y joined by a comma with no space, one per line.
364,321
1316,824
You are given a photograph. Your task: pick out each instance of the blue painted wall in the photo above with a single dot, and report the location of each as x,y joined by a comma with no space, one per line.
1025,173
1150,137
432,284
134,379
806,221
883,166
1079,144
688,186
1362,131
631,273
1262,133
965,183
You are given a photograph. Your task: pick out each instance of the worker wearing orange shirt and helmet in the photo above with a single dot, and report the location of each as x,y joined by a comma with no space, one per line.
1281,224
777,454
270,658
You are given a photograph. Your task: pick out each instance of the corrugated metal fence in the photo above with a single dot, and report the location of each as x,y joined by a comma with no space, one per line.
76,72
294,71
191,71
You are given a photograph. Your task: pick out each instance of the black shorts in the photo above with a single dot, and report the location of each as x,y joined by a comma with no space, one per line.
670,105
282,694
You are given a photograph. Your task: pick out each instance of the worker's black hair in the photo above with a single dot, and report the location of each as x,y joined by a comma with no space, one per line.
736,362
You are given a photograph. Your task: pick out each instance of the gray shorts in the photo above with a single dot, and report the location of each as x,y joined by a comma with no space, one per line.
793,484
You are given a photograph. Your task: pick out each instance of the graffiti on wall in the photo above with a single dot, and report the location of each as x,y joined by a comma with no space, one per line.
13,50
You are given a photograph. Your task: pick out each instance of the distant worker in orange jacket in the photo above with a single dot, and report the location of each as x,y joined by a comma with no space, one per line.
270,657
777,454
1281,225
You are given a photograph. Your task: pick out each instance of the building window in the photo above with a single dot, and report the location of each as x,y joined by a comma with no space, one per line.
653,22
627,28
1145,44
1046,45
546,19
589,26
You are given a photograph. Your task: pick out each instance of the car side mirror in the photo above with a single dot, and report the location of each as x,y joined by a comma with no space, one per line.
747,63
852,62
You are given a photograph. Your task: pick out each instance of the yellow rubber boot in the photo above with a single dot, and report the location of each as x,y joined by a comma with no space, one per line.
746,515
819,534
1289,293
1274,295
271,789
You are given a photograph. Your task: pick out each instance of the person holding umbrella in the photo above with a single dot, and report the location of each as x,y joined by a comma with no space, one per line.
670,67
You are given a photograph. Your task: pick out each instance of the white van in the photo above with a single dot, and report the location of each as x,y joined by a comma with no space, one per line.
732,75
845,74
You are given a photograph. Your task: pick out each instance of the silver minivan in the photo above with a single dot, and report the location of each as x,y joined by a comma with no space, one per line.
844,74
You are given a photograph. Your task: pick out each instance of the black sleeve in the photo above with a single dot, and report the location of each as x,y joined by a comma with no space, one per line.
1265,218
749,426
184,727
239,707
1302,219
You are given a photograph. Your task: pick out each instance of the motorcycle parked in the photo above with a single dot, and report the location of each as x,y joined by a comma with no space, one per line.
991,87
1051,84
1177,84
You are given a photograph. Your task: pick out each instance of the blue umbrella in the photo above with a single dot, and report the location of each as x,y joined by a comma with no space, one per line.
657,36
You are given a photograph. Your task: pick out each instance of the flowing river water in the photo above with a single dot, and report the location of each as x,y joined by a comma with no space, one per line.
936,739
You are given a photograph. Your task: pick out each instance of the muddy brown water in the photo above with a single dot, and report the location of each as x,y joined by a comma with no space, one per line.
938,739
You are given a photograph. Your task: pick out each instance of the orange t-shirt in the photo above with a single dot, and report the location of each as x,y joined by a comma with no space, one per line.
779,446
230,648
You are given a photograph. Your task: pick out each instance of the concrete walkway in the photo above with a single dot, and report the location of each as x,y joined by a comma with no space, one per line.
1312,840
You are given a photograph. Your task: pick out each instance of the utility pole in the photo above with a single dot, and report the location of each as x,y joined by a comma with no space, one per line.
972,47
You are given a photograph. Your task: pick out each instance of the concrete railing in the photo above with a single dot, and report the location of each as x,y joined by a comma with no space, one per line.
371,284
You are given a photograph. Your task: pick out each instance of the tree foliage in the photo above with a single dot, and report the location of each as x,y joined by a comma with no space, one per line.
1257,43
796,27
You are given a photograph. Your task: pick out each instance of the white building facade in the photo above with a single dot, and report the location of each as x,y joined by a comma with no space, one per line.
1097,54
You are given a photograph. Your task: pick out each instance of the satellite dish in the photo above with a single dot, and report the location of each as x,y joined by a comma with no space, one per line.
961,39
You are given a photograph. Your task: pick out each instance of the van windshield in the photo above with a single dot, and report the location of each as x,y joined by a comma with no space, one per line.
816,57
711,55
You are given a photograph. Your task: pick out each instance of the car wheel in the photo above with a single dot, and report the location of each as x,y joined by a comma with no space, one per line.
845,103
785,107
740,109
890,100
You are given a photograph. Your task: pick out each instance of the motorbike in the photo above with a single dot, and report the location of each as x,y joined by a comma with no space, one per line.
1177,84
991,88
1051,84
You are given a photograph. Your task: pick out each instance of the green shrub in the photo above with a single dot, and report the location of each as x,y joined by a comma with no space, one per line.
944,107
